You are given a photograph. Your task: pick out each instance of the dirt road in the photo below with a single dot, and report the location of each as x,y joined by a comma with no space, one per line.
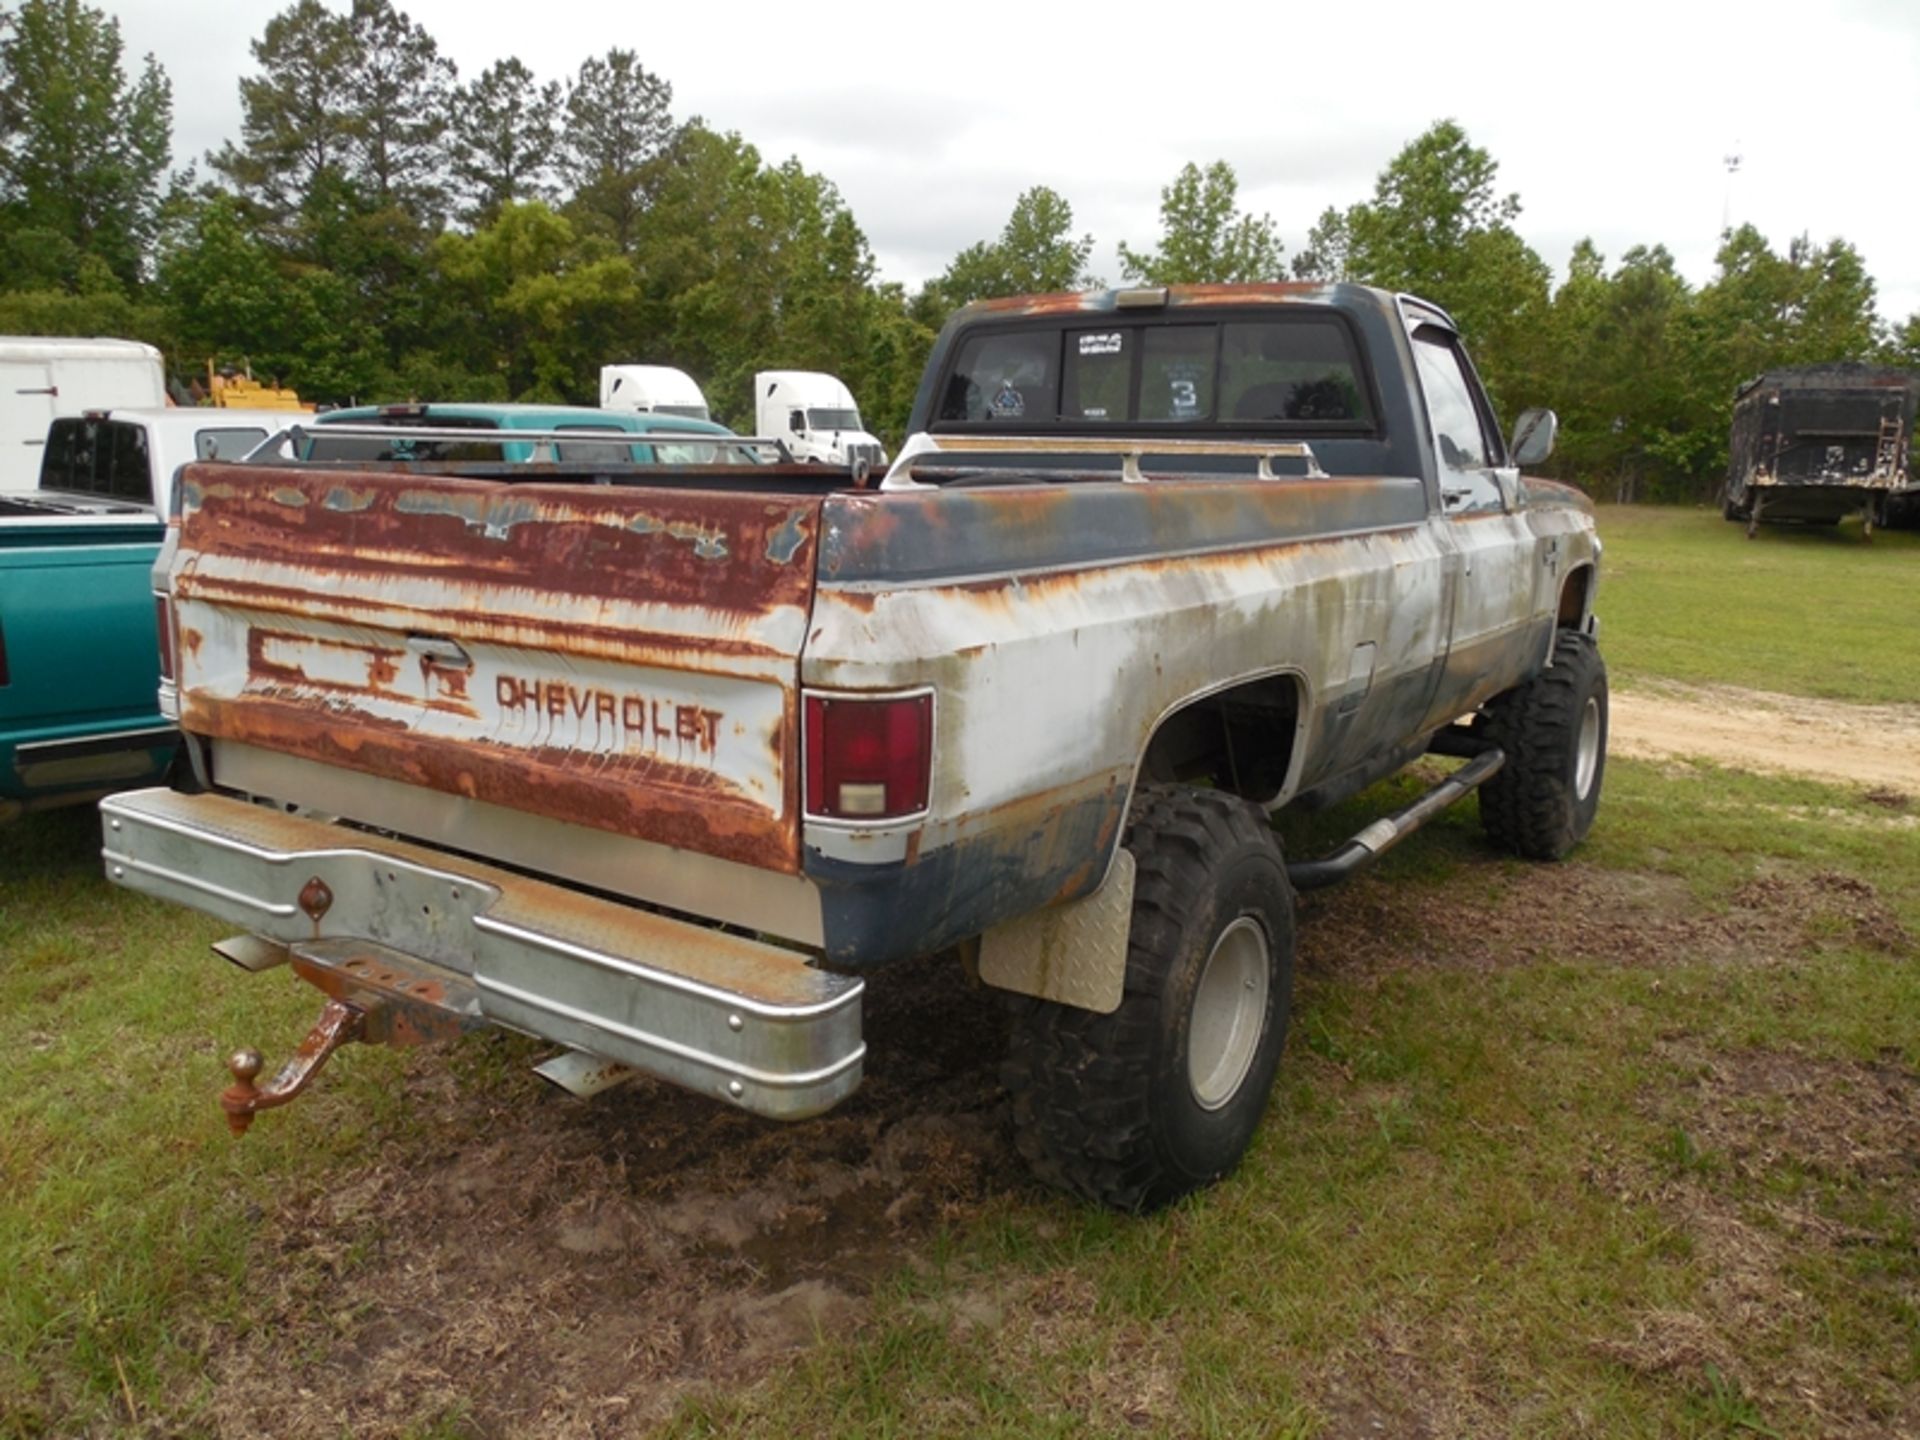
1874,745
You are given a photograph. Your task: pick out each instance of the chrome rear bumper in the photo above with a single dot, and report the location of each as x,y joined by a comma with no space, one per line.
749,1023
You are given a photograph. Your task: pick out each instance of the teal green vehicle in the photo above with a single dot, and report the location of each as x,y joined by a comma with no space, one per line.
79,643
80,657
381,439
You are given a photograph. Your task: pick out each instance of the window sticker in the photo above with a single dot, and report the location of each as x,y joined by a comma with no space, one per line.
1007,402
1105,342
1183,385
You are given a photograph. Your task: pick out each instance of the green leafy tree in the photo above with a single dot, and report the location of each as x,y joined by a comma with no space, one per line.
748,266
534,304
297,117
1628,420
1902,346
1327,254
83,151
362,97
1204,237
1037,253
1430,206
1437,226
618,122
503,140
230,297
402,90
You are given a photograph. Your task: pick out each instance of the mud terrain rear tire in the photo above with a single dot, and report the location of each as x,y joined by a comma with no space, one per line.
1133,1110
1554,731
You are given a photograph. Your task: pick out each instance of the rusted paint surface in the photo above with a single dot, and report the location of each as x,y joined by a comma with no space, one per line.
1059,625
339,1024
405,1001
618,658
892,538
630,794
1094,301
587,543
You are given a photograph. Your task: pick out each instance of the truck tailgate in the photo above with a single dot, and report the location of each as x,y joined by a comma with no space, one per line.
619,657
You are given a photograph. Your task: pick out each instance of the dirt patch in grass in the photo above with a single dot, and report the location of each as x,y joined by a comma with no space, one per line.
1582,912
1874,745
1784,1174
541,1265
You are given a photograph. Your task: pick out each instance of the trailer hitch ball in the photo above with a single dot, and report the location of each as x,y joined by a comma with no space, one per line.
338,1024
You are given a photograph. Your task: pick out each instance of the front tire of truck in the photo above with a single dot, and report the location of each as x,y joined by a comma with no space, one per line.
1133,1110
1554,732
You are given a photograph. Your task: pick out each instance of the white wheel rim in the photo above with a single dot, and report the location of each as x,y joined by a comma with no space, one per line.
1586,761
1229,1012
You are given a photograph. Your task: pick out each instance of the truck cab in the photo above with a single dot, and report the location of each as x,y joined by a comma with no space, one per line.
815,417
652,390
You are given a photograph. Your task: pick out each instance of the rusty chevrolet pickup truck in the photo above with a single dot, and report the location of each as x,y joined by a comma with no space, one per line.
657,765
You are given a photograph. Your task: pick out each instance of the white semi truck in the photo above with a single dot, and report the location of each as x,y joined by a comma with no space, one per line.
44,379
814,416
651,390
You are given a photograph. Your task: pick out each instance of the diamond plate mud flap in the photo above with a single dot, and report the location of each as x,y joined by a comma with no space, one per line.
1074,954
441,942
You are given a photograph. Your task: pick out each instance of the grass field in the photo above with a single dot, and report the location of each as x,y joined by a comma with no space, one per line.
1819,611
1622,1147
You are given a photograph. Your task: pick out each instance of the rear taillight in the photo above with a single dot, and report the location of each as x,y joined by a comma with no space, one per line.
163,623
868,759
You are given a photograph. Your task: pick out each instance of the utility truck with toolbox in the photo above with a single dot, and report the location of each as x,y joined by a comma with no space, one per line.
661,764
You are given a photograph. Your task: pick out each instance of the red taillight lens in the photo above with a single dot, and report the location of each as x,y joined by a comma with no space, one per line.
868,759
163,622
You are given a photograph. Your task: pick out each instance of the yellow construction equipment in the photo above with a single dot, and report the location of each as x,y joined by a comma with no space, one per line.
238,390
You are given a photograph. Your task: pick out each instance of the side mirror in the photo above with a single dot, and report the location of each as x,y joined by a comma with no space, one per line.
1533,436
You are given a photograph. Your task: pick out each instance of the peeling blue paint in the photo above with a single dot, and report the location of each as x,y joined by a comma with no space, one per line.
782,544
706,544
494,519
347,501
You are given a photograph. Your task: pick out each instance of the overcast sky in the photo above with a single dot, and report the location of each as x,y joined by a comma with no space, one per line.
1610,120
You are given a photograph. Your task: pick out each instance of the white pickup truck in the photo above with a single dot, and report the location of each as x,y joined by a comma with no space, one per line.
657,764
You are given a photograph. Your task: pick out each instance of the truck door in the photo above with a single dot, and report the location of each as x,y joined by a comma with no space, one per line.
1493,550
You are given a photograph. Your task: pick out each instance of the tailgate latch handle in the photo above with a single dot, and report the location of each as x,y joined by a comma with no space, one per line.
440,652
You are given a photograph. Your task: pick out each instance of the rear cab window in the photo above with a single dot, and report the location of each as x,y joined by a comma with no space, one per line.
227,442
107,458
323,446
596,452
1299,372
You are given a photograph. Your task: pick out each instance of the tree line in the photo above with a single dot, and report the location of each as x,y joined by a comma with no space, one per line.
381,229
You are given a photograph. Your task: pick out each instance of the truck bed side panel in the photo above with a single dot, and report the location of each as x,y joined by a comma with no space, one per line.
1068,622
